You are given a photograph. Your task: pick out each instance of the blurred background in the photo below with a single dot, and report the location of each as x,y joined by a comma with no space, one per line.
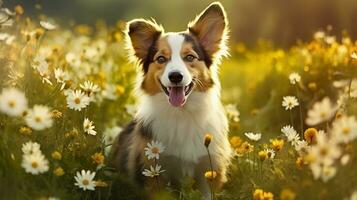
281,21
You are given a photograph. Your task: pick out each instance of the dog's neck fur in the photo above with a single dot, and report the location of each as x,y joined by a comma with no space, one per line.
182,130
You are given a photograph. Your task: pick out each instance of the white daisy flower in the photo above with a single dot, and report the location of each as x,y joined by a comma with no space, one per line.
39,117
291,134
294,78
270,153
354,194
319,35
31,148
13,102
6,17
90,88
90,52
61,77
153,149
73,59
89,127
111,133
232,112
153,172
35,163
344,129
354,55
302,147
320,112
84,180
7,38
47,25
76,100
252,136
325,151
330,39
327,173
40,64
344,159
289,102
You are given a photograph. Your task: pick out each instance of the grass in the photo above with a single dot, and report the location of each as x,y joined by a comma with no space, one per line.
253,80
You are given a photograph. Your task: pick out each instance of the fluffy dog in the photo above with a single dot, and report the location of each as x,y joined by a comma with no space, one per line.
179,101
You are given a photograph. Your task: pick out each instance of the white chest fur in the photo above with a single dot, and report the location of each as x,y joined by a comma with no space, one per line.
182,130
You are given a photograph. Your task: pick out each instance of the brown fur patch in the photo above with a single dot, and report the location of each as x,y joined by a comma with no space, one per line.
141,41
210,27
198,68
151,83
200,72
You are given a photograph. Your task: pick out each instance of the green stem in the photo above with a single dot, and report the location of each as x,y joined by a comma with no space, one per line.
300,109
156,177
211,166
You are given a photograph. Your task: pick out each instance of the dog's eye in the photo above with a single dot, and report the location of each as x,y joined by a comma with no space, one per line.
161,59
189,58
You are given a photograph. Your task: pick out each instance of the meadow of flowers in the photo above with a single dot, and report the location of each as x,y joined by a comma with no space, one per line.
66,93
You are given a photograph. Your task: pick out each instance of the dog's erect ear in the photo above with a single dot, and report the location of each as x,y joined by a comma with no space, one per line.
210,27
142,34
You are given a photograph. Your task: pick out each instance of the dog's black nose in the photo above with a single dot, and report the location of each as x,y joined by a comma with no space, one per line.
175,77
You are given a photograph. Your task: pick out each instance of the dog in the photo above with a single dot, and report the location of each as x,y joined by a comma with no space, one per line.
179,101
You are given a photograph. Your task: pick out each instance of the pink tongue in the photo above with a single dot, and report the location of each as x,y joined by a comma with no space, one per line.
177,96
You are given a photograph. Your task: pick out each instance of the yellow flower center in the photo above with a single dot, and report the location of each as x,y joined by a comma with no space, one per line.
85,182
323,151
38,119
34,164
77,100
12,104
346,130
155,150
323,114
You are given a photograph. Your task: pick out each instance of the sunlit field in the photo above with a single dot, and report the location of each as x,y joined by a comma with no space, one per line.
67,92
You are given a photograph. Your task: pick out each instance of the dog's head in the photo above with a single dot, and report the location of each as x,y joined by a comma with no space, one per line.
177,64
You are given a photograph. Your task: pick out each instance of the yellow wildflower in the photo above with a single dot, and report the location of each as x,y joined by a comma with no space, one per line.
39,32
263,155
245,148
120,89
310,135
83,29
259,194
299,162
210,175
312,86
287,194
19,9
98,158
208,139
56,155
277,144
235,141
56,114
58,171
25,130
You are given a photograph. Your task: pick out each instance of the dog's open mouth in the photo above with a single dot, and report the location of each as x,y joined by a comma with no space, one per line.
177,94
